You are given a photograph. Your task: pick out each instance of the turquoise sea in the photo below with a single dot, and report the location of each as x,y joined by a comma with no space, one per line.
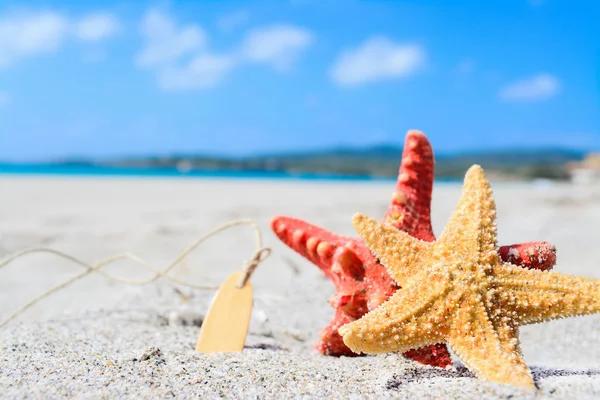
99,171
91,170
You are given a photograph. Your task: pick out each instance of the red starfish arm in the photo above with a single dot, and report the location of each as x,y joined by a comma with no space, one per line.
312,242
410,206
535,255
331,343
436,355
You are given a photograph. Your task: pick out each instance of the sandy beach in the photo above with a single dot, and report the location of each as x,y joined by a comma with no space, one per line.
102,339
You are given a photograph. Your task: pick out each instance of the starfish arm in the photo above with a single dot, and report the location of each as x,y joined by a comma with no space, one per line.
489,349
397,250
436,355
471,231
411,319
312,242
410,205
536,255
537,296
331,343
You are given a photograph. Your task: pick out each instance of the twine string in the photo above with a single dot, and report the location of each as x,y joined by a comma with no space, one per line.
260,254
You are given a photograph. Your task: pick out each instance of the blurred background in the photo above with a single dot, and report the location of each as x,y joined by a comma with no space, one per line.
316,88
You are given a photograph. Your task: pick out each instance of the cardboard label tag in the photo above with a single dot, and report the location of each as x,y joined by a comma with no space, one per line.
227,321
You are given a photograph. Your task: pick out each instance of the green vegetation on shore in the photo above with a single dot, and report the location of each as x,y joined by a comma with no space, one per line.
381,161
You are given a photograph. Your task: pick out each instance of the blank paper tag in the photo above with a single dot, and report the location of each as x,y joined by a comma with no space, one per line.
226,324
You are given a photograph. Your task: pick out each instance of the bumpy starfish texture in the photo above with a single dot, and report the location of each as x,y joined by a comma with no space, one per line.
361,282
458,291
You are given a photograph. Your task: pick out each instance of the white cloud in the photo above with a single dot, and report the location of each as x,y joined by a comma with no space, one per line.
182,60
26,34
166,43
378,58
276,45
538,87
179,55
96,27
230,22
203,71
4,99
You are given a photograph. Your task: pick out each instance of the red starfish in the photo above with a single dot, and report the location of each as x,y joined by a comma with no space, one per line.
361,282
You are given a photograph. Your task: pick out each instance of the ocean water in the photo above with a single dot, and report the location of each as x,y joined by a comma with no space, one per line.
91,170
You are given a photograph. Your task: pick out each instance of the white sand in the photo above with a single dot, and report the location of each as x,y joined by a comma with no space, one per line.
82,342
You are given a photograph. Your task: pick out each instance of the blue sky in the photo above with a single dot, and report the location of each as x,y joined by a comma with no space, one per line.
101,79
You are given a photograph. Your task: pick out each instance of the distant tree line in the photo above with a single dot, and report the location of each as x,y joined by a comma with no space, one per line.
382,161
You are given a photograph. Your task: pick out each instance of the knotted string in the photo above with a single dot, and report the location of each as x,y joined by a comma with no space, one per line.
260,254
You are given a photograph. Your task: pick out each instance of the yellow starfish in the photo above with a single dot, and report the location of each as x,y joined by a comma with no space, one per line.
456,290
